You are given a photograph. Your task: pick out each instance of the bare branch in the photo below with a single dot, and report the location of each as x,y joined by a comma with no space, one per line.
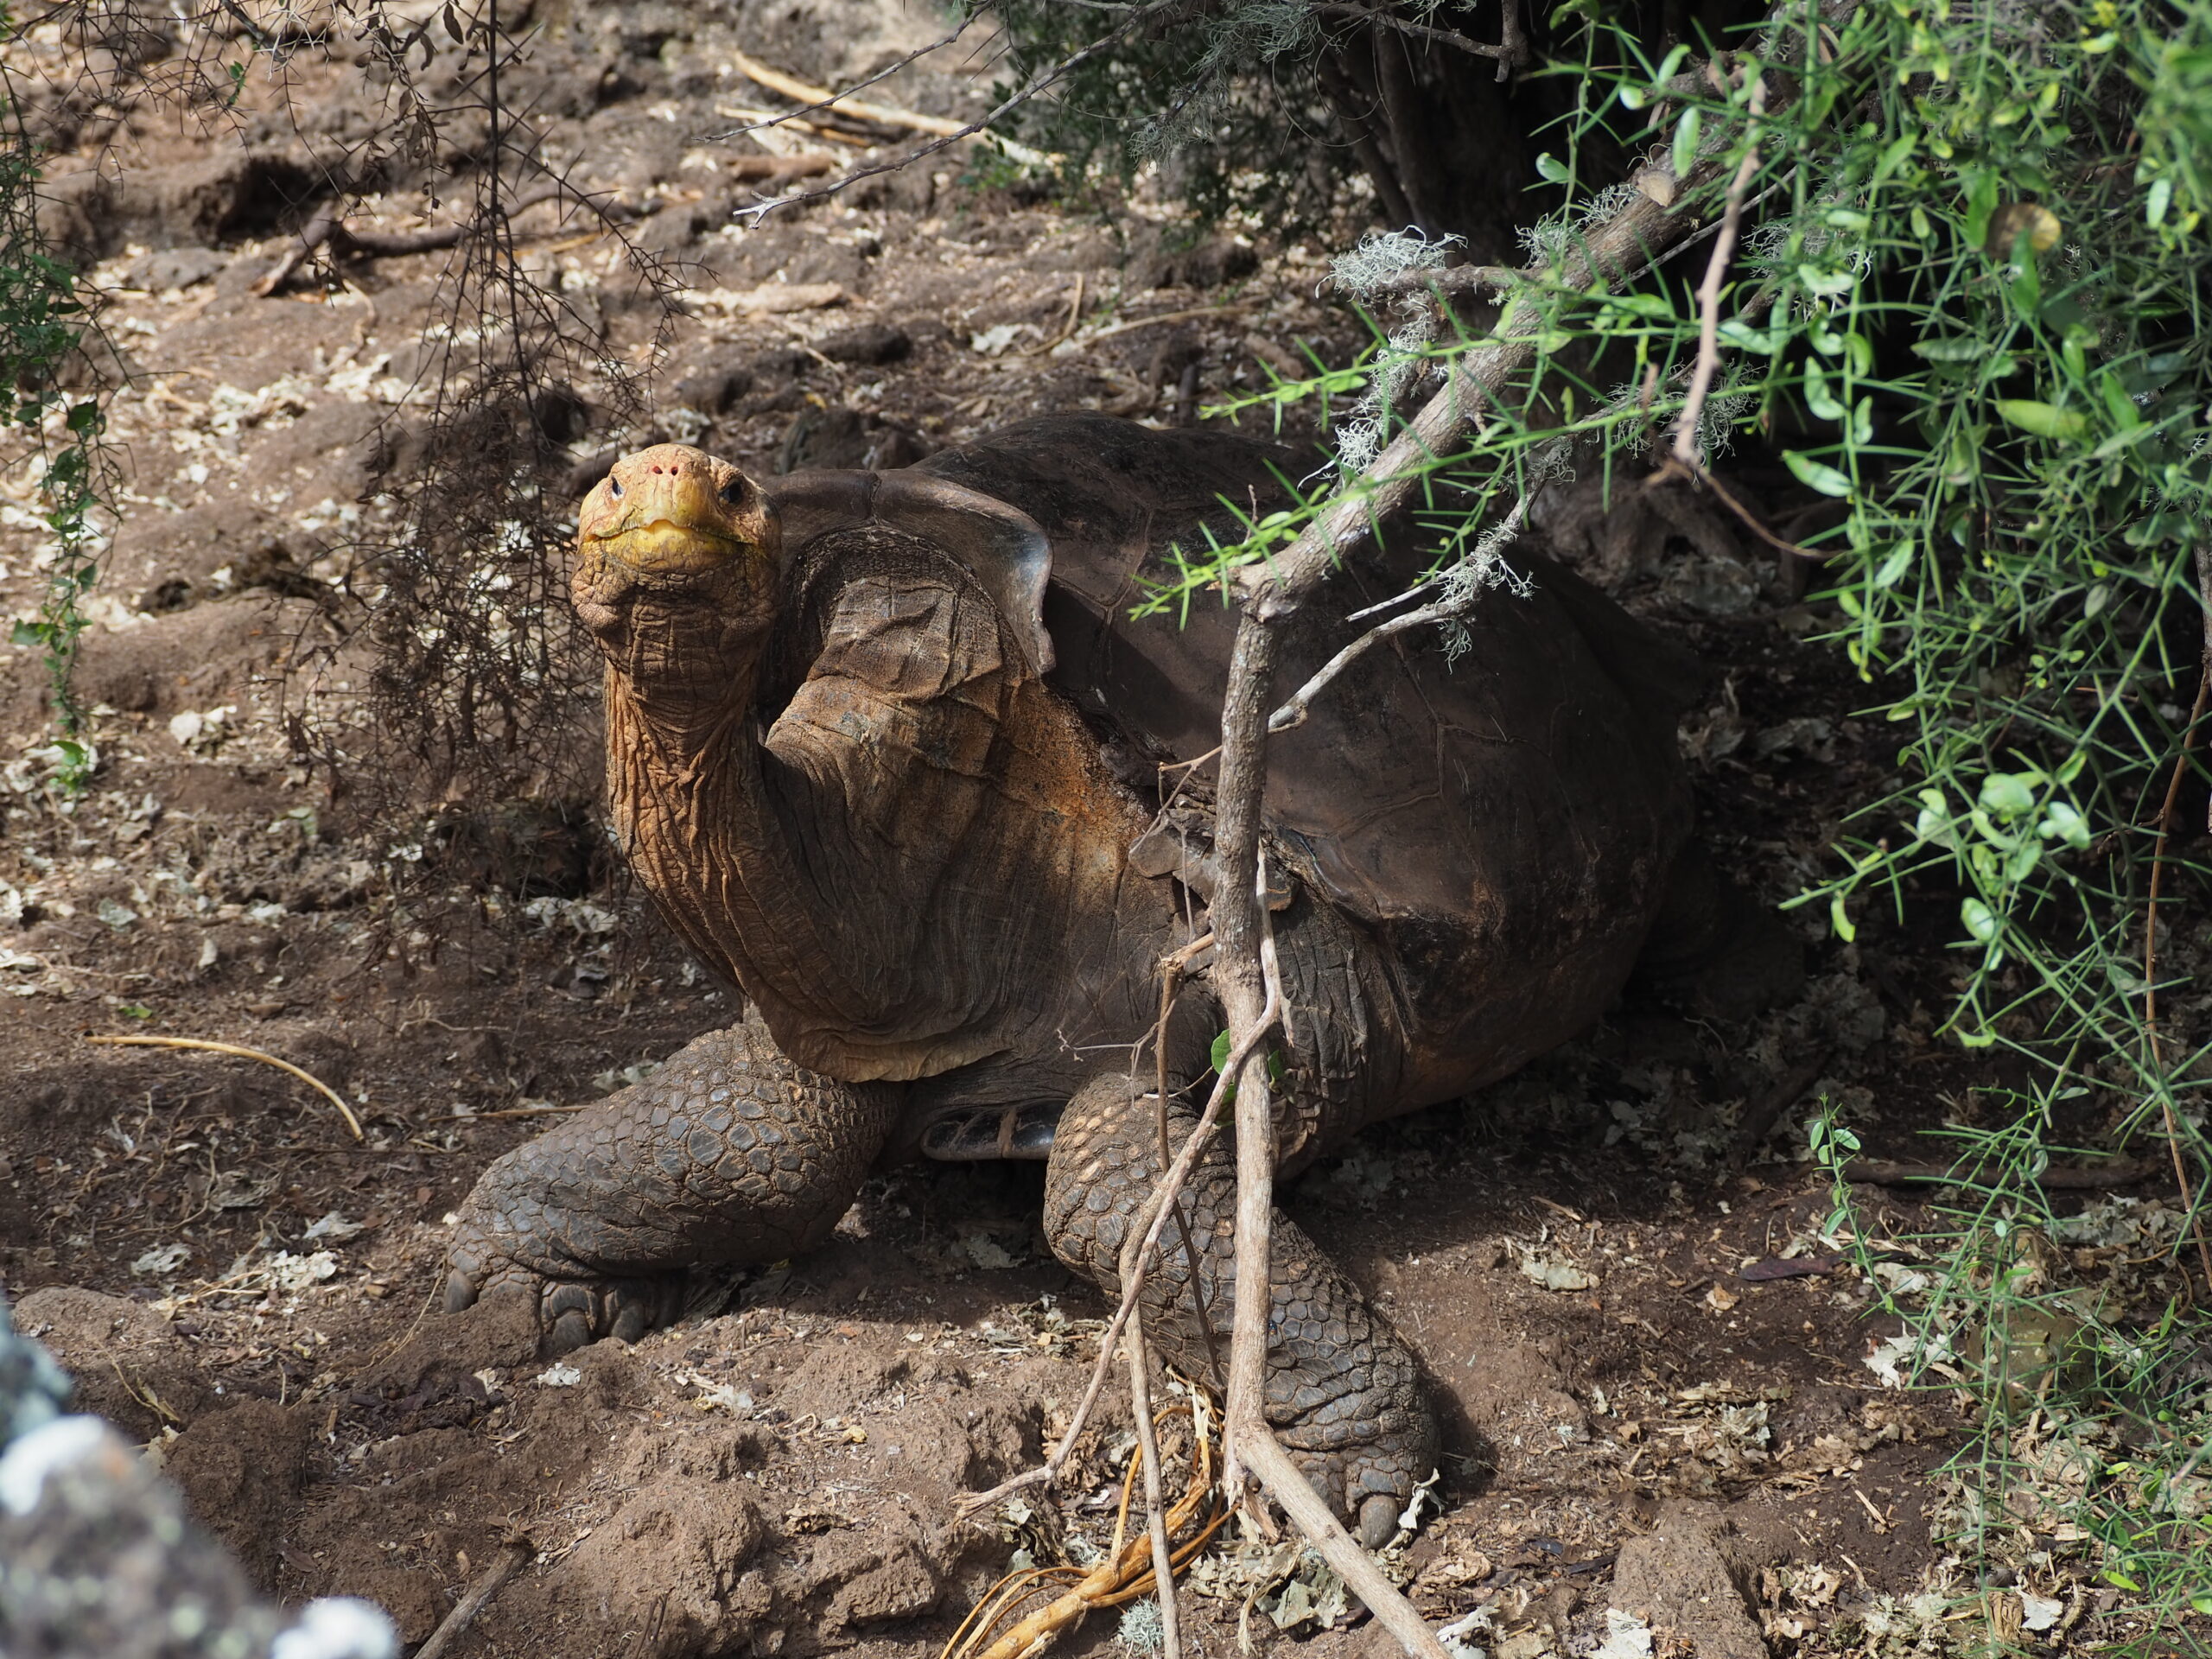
862,86
1162,1204
1163,1559
1508,50
1337,1548
1628,242
1448,279
1708,293
816,98
1037,84
1292,713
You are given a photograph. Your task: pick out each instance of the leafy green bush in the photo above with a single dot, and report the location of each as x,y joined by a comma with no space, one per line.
42,319
1968,313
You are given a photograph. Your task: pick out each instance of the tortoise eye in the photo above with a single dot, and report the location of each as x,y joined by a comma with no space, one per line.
733,492
614,487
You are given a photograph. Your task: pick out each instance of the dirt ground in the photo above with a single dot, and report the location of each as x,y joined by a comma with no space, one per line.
1613,1268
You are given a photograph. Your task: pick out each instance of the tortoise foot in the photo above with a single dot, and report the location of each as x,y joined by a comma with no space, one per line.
1343,1395
573,1313
728,1153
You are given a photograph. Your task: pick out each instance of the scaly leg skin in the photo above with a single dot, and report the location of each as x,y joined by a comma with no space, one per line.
1343,1395
728,1153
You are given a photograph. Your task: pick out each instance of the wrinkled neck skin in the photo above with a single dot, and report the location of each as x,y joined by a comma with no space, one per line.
940,892
680,676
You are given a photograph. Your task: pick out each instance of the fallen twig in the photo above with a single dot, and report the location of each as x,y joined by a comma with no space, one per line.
1120,1574
329,1094
514,1551
1067,328
812,98
2059,1178
327,228
1192,314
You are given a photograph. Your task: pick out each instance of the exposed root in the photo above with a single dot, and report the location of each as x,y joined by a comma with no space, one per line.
1124,1572
329,1094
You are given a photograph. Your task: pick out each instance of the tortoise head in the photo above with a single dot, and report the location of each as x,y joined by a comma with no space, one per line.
678,556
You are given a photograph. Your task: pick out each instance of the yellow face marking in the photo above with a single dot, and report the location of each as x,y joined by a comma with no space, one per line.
677,549
671,511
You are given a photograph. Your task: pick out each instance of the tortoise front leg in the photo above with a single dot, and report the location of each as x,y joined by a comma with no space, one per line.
729,1154
1343,1394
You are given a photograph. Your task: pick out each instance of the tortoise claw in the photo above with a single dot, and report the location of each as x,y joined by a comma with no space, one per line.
1377,1523
574,1314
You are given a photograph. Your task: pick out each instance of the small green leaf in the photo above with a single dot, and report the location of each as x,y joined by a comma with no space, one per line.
2009,794
1818,398
1745,338
1687,130
2062,823
2041,419
1891,570
1551,170
1816,475
1839,919
2155,204
1955,348
1827,284
1981,920
1221,1046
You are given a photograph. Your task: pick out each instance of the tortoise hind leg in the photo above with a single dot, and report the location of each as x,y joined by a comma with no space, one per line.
729,1154
1343,1395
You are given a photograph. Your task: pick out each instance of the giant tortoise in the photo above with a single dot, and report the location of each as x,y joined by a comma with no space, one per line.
893,758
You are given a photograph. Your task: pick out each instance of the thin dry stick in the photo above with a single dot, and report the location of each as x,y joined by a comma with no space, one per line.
1162,1205
1163,1560
1035,87
1292,713
1334,1545
884,115
2151,912
1120,1575
2059,1178
512,1553
1708,293
243,1052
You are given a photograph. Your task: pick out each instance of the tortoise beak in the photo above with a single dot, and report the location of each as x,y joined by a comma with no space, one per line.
673,511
